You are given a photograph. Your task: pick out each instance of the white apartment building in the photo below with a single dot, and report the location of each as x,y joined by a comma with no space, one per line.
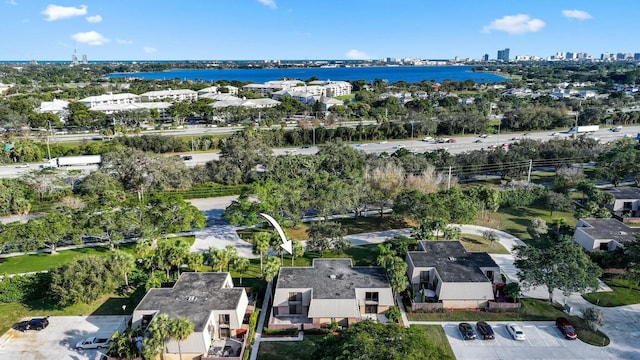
125,98
58,107
334,88
271,86
114,108
174,95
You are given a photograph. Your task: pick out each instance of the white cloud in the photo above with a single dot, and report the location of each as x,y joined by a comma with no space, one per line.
124,42
269,3
12,2
149,49
92,38
576,14
94,19
56,12
515,24
357,54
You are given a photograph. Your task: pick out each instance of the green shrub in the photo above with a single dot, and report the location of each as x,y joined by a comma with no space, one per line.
394,314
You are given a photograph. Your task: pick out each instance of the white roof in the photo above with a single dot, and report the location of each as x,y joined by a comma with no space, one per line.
108,97
220,97
169,92
207,90
55,105
132,106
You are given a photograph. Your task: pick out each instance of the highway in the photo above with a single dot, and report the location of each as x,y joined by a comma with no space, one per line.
461,144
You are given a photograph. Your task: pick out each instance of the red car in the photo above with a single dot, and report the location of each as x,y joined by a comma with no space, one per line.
566,328
451,140
491,147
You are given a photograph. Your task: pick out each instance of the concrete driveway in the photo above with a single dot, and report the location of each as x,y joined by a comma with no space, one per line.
543,341
58,340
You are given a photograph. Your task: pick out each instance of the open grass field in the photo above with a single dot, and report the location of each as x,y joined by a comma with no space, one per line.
289,350
478,243
515,220
437,335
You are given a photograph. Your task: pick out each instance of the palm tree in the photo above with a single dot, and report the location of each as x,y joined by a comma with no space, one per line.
158,334
194,260
271,267
229,255
241,265
180,329
263,241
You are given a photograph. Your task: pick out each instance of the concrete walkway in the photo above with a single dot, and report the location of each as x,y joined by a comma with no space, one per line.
263,314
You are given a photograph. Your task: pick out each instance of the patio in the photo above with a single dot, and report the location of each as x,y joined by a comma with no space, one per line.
228,347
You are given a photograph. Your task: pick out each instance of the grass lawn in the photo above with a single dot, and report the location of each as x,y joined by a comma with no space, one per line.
624,293
373,224
532,310
46,261
288,350
515,220
437,335
473,242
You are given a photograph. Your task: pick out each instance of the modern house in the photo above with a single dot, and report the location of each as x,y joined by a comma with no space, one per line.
209,300
627,202
58,107
329,290
451,275
603,234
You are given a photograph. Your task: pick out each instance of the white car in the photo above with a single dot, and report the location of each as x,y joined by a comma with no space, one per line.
555,134
400,146
516,332
382,142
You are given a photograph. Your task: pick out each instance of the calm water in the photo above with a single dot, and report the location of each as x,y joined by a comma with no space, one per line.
392,74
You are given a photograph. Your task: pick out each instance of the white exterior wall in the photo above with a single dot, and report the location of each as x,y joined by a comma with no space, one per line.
586,241
281,298
385,296
194,344
475,291
618,205
334,308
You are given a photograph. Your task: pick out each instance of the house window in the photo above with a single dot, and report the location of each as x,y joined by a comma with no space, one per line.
371,309
371,296
490,275
223,319
424,277
295,296
295,309
627,205
604,246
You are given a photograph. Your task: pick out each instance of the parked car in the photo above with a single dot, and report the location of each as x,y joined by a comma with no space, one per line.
516,332
22,165
93,342
467,331
34,324
451,140
485,330
187,157
566,328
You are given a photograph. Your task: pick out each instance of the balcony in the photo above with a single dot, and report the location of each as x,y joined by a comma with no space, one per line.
226,349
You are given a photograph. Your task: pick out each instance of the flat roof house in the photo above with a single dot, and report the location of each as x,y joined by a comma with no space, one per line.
329,290
452,275
209,300
627,202
603,234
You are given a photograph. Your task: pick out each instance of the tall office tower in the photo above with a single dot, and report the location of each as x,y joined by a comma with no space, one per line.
485,57
74,59
605,56
569,55
636,56
503,55
84,59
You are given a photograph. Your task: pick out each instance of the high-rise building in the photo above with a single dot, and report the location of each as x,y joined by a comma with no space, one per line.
636,56
485,57
74,59
84,59
503,55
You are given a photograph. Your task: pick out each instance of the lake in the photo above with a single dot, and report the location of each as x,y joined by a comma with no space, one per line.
410,74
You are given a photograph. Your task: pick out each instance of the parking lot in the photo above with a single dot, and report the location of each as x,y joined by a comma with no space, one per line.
543,341
58,340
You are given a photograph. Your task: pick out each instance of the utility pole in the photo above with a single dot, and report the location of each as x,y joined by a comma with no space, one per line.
449,184
529,172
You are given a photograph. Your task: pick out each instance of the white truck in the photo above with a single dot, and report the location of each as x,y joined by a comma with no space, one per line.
93,342
74,161
584,129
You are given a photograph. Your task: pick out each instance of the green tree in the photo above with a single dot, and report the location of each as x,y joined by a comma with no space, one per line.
327,236
195,260
362,341
298,250
122,263
180,329
262,242
559,265
241,265
594,318
271,267
512,290
123,344
158,334
537,228
557,202
490,235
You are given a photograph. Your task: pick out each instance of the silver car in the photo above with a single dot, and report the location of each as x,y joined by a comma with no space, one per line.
516,332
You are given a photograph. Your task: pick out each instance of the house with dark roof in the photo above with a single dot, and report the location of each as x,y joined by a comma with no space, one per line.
626,203
452,275
209,300
329,290
603,234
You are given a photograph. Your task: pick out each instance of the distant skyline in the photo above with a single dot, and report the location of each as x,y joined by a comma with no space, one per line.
300,29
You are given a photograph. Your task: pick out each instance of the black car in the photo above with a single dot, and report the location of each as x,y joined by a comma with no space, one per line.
187,157
485,330
34,324
467,331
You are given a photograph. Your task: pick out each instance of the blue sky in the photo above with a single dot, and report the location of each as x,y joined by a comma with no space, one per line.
305,29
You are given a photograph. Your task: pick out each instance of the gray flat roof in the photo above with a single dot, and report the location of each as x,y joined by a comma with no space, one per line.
193,296
452,261
346,278
609,229
626,193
